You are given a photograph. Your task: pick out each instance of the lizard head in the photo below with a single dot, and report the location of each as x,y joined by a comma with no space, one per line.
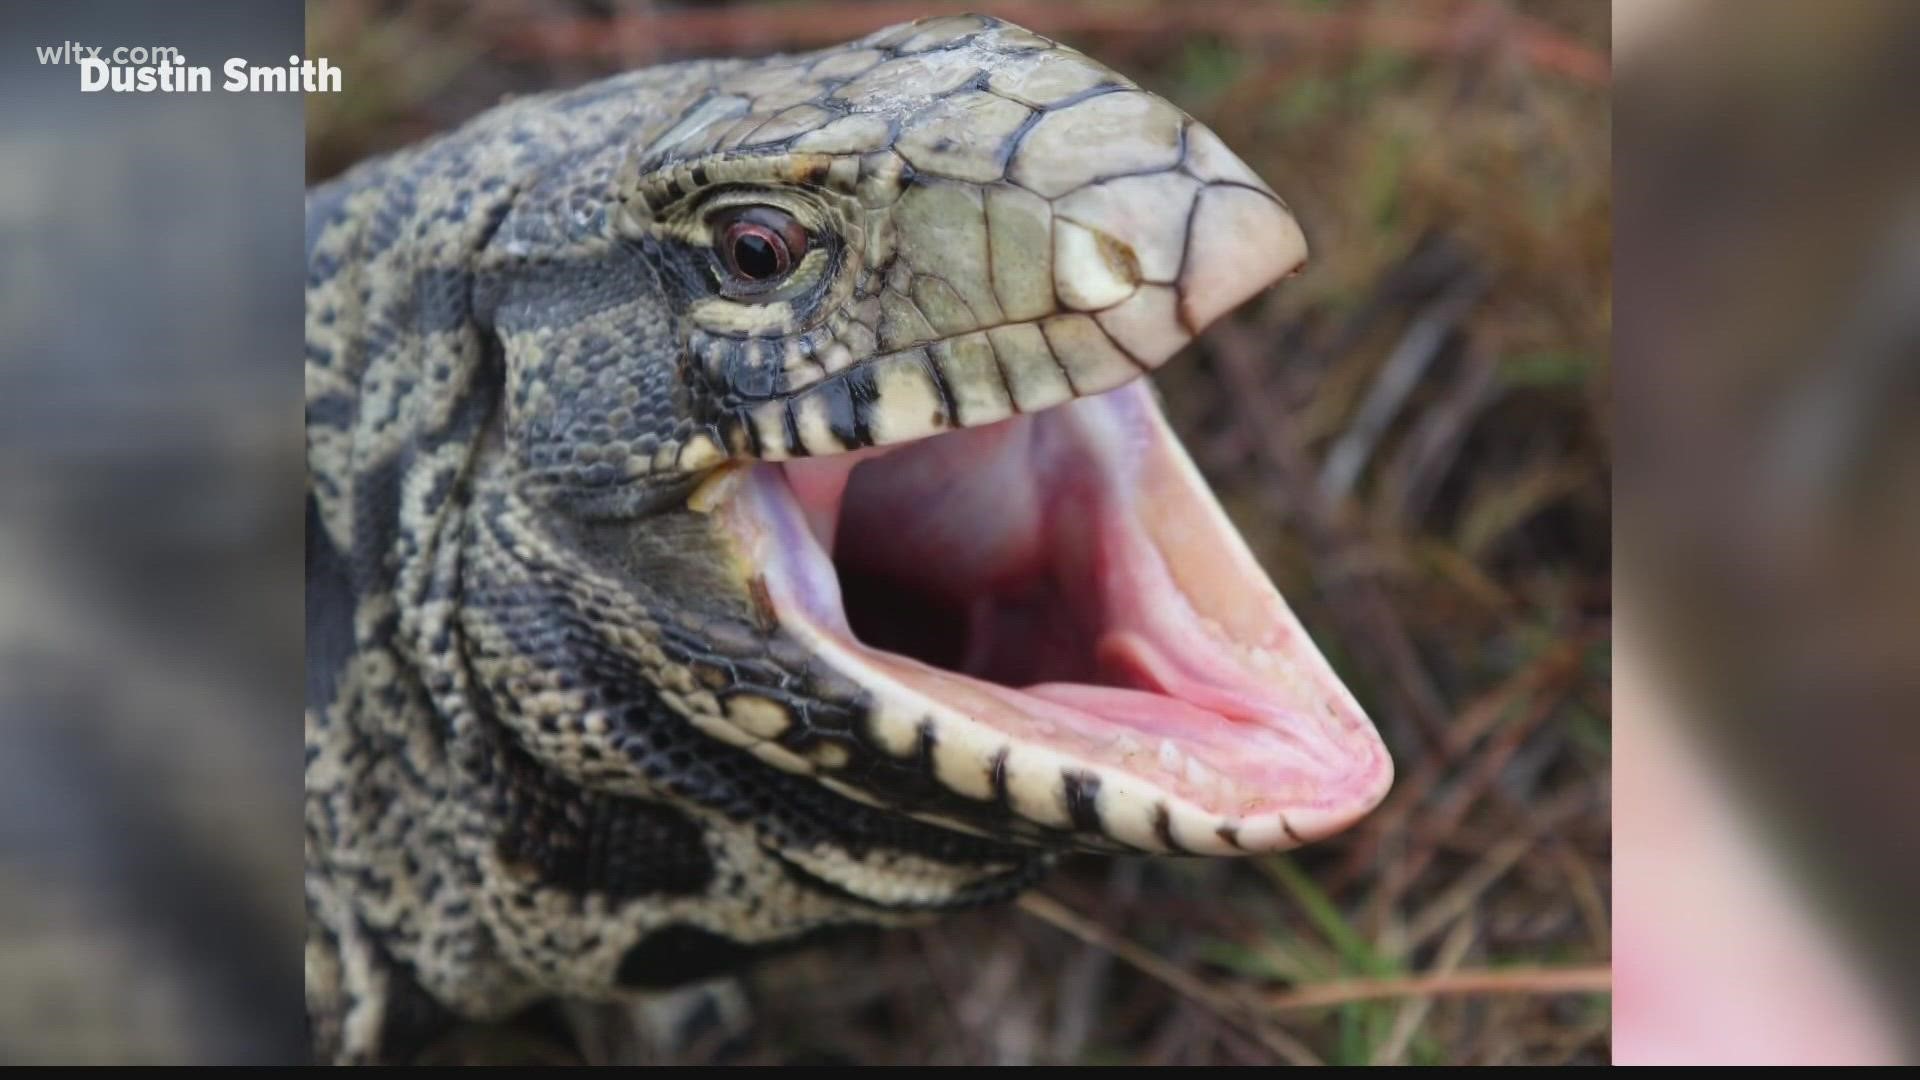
916,530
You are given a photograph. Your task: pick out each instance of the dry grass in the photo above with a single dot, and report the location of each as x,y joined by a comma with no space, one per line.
1413,435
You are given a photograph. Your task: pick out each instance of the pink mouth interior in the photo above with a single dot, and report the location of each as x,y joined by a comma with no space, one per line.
1066,579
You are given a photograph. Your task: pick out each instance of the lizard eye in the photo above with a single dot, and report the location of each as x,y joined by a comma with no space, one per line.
759,245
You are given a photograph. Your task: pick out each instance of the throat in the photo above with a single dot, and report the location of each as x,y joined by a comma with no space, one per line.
1014,633
973,553
903,617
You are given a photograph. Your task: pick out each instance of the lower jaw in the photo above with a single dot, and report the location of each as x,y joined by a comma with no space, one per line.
1183,709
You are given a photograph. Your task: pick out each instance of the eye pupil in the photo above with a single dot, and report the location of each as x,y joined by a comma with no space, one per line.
760,245
756,256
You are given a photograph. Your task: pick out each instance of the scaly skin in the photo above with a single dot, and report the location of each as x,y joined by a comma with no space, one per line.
555,745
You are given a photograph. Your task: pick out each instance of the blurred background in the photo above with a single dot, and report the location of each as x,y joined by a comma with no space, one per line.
1769,476
150,547
1414,435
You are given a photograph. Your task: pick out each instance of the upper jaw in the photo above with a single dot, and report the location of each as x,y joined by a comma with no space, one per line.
1058,298
1184,708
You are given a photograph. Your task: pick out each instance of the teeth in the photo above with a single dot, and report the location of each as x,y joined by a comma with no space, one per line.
1199,775
1177,762
1170,756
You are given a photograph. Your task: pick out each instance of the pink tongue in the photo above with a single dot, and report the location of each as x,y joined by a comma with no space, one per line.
1204,696
1203,680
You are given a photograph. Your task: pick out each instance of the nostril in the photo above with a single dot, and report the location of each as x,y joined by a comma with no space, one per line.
1092,270
1120,257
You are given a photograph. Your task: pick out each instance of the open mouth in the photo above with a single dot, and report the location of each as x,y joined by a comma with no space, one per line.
1056,614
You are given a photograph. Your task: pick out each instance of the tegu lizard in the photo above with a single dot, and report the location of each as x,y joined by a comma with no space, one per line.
737,509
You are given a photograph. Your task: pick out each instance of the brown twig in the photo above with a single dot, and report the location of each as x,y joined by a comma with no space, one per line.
1220,1004
1553,667
1586,894
1457,897
1440,818
1422,342
1411,479
1595,979
1414,1013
